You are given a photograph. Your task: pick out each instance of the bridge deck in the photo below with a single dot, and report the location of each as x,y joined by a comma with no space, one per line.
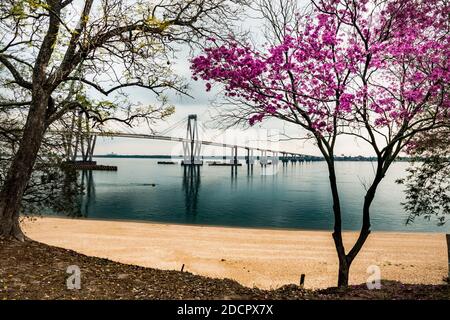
168,138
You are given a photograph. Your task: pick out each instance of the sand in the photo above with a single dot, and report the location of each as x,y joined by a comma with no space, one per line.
254,257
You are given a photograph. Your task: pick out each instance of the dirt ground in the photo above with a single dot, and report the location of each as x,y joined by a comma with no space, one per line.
34,270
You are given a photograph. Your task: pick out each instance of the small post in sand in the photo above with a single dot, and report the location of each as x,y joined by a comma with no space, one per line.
302,280
182,268
448,250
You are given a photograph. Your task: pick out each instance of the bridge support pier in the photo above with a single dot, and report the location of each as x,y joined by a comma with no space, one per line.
250,160
85,143
192,145
234,160
293,158
88,150
275,158
263,158
284,159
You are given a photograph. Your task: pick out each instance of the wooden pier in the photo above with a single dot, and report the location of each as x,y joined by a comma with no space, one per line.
222,164
88,165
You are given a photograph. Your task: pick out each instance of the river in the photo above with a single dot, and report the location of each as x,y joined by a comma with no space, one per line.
296,196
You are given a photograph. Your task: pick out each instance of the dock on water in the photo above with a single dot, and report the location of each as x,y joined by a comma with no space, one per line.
88,165
224,164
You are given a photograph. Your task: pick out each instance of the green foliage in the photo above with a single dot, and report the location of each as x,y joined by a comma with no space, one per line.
51,187
17,10
427,185
154,22
428,190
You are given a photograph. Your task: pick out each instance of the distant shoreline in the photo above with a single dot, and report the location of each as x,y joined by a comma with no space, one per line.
344,158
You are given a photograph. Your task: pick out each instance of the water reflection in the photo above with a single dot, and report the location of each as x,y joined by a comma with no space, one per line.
65,199
298,196
78,194
249,169
88,197
191,187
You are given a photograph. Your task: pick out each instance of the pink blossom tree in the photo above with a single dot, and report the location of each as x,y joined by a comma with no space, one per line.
376,70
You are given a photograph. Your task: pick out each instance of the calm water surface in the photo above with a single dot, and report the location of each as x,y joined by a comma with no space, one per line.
298,196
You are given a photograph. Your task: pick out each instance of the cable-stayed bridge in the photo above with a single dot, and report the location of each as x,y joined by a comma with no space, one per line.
192,146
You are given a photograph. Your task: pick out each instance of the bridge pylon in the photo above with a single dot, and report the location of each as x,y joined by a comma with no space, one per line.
192,145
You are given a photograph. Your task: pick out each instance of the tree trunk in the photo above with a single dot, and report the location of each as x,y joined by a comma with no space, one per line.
344,271
346,260
20,170
344,264
365,229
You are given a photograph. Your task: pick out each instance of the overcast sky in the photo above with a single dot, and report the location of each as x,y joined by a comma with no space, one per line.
200,105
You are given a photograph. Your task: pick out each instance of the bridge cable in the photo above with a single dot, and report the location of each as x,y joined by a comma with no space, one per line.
172,127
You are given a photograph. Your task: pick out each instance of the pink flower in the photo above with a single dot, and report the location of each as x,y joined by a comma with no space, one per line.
385,62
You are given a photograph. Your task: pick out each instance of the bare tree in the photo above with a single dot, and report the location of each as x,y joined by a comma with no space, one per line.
47,46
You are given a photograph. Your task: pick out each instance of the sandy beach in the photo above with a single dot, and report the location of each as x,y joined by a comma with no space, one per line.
254,257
